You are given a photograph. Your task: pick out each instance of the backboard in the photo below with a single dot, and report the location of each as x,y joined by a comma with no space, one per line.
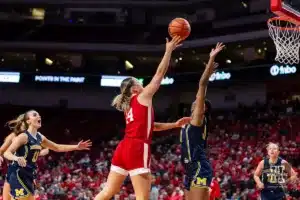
287,8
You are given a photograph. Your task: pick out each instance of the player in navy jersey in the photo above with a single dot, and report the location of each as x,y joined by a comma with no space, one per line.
272,174
193,137
7,142
24,152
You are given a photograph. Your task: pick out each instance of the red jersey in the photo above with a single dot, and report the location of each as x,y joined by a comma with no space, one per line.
139,121
215,190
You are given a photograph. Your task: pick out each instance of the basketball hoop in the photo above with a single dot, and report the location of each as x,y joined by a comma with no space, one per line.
286,35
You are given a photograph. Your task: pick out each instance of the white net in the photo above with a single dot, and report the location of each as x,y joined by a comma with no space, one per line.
286,36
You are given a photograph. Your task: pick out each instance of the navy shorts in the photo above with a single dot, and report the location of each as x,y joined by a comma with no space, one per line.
268,194
21,183
198,174
9,170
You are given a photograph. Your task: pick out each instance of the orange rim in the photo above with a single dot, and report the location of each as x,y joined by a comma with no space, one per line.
287,19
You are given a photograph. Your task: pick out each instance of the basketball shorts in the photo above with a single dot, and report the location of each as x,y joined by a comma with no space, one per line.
21,183
269,194
9,171
132,157
198,174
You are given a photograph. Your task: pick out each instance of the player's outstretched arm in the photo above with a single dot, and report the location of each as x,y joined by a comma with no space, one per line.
5,145
82,145
257,174
198,112
145,98
166,126
16,143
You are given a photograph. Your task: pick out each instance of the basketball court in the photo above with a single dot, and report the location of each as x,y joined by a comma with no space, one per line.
285,30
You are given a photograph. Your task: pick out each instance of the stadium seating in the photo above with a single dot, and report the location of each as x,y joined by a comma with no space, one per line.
237,143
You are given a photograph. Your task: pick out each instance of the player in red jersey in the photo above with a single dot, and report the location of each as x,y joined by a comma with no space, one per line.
132,156
214,191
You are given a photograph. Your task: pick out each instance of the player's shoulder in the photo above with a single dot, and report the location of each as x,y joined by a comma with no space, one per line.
22,137
284,161
11,136
262,162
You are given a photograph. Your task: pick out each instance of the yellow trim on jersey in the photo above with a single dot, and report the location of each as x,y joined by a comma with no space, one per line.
26,152
198,170
188,142
180,139
196,179
23,185
204,134
35,147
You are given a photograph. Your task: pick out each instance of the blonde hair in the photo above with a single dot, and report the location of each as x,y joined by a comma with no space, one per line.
19,124
122,101
272,143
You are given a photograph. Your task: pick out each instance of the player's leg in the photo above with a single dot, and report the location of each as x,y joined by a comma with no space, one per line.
6,191
140,169
113,184
141,184
201,182
199,193
187,185
186,195
30,197
116,175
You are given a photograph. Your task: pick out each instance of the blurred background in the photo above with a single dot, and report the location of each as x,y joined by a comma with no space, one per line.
67,58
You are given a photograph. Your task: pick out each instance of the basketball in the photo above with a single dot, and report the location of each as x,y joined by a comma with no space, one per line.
179,27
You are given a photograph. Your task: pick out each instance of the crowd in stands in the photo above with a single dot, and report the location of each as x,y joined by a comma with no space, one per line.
237,142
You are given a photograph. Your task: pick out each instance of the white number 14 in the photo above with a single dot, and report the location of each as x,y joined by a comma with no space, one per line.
129,116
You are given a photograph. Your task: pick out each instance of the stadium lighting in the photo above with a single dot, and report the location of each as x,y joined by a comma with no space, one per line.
48,61
128,65
38,13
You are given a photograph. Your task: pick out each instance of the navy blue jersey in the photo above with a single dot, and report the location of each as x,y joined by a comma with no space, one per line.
273,178
30,151
193,141
21,179
273,174
198,171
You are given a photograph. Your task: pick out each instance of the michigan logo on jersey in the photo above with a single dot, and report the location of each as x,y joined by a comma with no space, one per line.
19,192
200,182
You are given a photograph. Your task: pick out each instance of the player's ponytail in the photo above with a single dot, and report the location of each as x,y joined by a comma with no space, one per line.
19,124
122,101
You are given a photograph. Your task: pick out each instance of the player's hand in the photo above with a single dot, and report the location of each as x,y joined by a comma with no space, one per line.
292,179
219,47
212,69
260,186
21,161
173,44
1,160
183,121
84,145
